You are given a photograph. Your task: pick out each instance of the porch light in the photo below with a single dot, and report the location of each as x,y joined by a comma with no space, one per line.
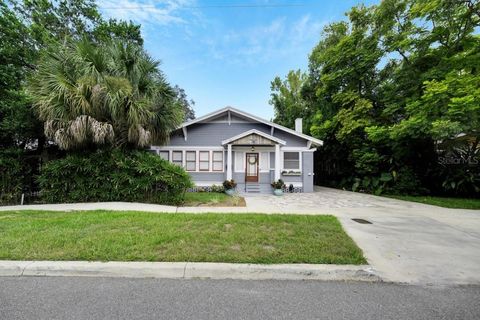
253,148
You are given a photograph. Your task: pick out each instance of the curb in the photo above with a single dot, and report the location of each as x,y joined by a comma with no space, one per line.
190,270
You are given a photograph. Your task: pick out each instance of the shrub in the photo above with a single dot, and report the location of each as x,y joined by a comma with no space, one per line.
229,184
215,188
113,175
13,171
279,184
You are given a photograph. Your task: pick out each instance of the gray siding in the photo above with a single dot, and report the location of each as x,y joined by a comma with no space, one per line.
238,176
207,176
290,139
263,177
307,171
289,179
212,134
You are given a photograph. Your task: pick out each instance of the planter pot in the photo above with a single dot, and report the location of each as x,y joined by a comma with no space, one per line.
230,192
278,192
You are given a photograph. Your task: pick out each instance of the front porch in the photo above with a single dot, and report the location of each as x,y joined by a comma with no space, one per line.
254,161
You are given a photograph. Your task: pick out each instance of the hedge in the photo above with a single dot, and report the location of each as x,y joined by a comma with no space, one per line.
13,172
113,175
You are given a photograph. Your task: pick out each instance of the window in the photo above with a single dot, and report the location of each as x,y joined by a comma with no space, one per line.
217,161
291,160
164,155
191,164
177,158
204,160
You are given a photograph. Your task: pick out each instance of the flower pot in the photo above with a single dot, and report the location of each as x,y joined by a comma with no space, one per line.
278,192
230,192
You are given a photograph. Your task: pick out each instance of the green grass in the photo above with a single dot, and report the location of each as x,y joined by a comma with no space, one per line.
212,199
142,236
458,203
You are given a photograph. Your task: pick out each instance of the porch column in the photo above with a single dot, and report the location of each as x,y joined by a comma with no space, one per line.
277,162
229,162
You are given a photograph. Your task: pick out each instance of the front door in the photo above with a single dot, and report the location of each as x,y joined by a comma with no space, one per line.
251,170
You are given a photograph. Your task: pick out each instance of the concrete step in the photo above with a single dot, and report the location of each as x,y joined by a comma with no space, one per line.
253,188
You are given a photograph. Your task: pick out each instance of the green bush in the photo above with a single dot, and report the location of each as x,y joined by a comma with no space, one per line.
113,175
12,175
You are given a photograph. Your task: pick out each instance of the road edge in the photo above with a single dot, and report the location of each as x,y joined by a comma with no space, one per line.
190,270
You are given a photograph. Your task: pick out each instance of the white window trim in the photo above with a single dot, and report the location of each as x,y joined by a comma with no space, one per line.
211,162
196,160
197,157
183,157
190,148
168,152
300,159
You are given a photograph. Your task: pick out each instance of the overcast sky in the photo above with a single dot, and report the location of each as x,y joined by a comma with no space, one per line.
227,52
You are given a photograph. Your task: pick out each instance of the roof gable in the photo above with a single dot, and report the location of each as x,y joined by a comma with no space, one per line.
229,111
254,137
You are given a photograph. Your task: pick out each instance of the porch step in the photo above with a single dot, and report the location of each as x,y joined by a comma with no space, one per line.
252,188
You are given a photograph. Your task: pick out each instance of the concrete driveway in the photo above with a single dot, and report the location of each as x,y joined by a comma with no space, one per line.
406,242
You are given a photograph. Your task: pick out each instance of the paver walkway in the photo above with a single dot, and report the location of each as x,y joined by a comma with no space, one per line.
406,242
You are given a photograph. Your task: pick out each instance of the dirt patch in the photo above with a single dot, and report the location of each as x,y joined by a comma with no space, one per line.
230,202
236,247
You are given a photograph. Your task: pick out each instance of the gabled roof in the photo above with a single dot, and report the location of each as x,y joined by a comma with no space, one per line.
254,131
252,117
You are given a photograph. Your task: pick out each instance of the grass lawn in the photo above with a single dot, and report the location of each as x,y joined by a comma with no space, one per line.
459,203
142,236
212,199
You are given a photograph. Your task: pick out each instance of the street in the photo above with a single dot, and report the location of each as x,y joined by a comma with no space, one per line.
121,298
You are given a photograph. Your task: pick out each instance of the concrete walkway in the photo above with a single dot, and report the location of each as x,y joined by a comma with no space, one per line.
406,242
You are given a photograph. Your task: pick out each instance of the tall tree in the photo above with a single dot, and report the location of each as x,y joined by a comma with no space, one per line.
18,125
51,21
288,100
115,29
26,29
185,104
94,95
390,89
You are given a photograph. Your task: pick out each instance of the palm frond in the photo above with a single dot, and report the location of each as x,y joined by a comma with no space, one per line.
111,93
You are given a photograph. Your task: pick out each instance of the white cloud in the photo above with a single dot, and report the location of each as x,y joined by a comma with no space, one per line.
261,43
164,12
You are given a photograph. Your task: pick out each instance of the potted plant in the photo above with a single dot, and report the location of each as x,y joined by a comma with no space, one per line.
229,186
278,187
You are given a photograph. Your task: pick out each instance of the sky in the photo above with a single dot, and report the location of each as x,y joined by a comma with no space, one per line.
226,53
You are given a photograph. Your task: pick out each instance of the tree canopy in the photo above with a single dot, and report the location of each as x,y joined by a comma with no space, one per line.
103,94
33,30
390,90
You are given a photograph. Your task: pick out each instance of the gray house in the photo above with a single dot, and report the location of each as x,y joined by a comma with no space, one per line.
232,144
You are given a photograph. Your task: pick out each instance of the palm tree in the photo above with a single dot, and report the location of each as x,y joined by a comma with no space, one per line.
103,94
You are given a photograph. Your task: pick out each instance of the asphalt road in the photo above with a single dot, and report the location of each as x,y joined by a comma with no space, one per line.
115,298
